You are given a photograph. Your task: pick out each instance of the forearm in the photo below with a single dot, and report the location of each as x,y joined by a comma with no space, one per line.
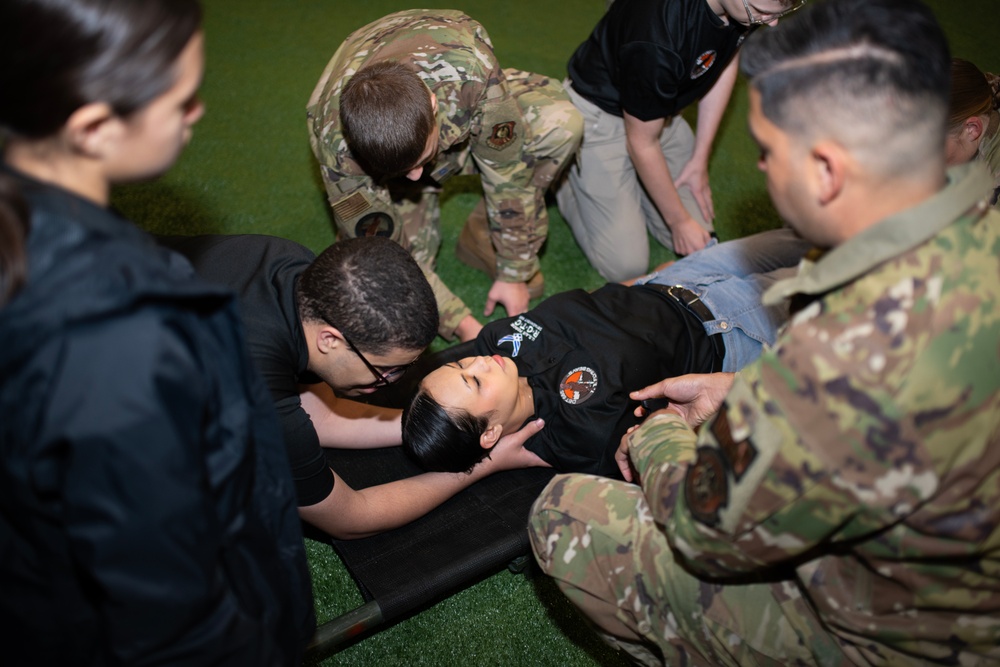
661,449
651,166
518,221
349,514
711,108
349,424
451,309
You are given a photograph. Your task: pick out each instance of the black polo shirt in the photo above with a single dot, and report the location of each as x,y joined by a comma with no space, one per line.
654,58
583,353
263,271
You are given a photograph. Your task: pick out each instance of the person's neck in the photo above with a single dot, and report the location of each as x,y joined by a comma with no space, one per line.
877,200
716,7
50,162
525,408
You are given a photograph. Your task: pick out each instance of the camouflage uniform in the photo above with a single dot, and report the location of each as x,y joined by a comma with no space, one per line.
515,128
989,147
843,507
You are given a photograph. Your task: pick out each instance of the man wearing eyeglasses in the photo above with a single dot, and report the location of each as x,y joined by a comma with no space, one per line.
346,323
640,166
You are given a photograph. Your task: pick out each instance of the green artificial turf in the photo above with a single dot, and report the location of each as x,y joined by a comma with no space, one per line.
249,169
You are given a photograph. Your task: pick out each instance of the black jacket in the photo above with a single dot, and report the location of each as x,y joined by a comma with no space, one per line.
147,514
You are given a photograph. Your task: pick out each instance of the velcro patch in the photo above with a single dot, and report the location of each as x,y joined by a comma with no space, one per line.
351,207
738,455
502,135
706,487
378,223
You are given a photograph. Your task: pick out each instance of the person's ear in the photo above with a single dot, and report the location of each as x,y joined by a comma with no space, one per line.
328,338
973,129
490,436
829,163
94,129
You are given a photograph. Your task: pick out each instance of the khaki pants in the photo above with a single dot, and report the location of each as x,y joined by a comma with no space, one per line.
603,200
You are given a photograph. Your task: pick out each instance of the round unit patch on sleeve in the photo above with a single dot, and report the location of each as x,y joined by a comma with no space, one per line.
502,134
375,224
578,385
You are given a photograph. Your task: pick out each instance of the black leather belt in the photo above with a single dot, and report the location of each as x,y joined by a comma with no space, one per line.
687,298
696,307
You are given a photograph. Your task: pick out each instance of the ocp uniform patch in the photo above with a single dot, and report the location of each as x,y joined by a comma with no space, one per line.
720,483
351,206
502,135
706,486
377,223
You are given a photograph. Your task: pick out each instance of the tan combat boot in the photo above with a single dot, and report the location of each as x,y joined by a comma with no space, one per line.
474,249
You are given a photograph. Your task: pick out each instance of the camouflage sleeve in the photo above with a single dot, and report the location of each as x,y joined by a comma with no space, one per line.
514,205
812,444
745,492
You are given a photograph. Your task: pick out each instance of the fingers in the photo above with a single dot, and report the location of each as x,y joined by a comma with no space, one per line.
652,391
622,458
704,198
514,297
529,459
528,430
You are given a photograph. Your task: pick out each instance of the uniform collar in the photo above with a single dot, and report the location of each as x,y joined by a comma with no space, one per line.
968,186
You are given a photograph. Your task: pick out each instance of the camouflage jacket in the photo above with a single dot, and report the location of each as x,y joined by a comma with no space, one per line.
479,119
859,459
989,148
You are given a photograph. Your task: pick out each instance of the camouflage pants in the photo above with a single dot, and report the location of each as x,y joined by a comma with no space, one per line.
556,129
597,538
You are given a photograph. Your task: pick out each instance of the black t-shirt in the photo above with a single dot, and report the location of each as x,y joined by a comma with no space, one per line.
583,353
653,58
263,271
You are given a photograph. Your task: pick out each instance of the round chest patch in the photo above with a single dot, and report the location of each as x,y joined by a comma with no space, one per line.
375,224
703,64
578,385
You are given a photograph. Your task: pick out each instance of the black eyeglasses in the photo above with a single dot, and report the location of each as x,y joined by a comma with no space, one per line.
770,18
383,377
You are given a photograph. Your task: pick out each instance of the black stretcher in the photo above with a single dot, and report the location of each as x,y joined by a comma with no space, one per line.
477,533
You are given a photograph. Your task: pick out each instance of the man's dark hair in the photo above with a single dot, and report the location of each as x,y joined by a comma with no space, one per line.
872,73
386,113
373,291
439,441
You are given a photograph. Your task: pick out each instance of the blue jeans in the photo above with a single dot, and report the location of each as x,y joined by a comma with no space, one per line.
730,278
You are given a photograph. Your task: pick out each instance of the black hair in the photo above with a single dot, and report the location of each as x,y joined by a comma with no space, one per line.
386,112
59,55
374,292
875,70
440,441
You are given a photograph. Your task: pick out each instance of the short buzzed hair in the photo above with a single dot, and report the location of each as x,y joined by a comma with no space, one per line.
873,74
373,291
386,113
